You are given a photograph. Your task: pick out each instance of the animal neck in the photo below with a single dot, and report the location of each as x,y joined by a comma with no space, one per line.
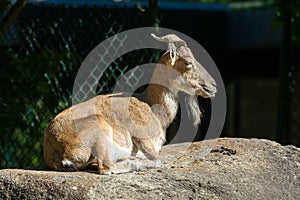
163,102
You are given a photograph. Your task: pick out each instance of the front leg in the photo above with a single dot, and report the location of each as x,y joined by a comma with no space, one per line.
147,146
103,169
134,151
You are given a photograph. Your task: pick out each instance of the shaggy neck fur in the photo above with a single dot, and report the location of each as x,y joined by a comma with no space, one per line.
163,102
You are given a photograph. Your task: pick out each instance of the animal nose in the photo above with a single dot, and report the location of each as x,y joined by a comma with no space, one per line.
210,88
206,89
214,84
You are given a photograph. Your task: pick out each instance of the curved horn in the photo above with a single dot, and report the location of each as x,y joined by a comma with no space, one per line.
171,38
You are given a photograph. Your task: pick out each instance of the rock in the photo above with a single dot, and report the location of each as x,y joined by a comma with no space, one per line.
234,169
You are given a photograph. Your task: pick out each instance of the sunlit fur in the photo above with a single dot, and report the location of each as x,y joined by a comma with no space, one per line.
109,130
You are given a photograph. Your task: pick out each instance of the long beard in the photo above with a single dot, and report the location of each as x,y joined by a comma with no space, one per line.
193,109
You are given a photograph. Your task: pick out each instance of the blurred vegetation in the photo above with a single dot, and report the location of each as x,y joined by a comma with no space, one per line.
36,81
33,88
3,5
35,84
288,14
41,52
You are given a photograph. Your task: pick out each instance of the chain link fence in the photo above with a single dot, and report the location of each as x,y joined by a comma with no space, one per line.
42,47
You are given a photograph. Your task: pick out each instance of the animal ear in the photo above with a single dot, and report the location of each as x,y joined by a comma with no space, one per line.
173,41
172,50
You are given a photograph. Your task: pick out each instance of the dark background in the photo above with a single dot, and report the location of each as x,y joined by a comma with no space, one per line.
254,44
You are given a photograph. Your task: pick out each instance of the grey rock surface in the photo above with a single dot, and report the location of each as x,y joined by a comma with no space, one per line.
234,169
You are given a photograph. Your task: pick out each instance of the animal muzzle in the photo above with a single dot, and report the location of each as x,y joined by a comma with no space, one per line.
207,92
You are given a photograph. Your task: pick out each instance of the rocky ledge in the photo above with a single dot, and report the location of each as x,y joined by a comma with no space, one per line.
232,169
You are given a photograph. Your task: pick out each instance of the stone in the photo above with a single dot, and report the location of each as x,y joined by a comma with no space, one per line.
233,169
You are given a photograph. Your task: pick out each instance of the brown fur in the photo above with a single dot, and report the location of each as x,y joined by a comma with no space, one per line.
111,129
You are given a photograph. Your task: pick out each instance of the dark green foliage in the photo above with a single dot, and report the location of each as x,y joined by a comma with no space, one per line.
33,88
288,11
41,52
3,6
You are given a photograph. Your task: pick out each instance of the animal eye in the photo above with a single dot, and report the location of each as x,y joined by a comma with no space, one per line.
188,64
